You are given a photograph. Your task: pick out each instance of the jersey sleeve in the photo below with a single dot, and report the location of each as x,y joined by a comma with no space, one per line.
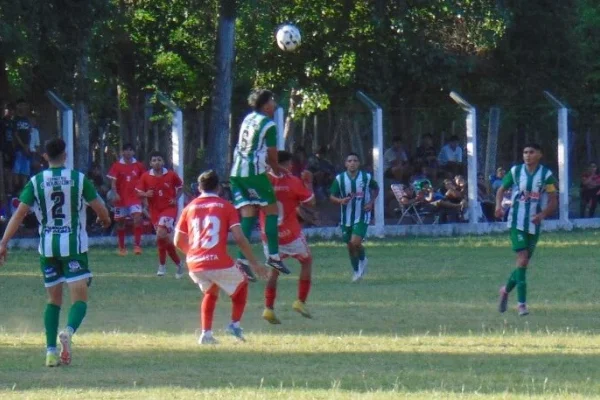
232,216
301,192
182,225
550,184
89,191
373,185
335,188
508,181
113,171
27,195
271,136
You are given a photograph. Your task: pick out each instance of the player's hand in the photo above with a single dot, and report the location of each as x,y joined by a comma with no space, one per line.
345,200
172,202
259,270
3,253
368,206
499,213
149,193
307,177
538,218
105,223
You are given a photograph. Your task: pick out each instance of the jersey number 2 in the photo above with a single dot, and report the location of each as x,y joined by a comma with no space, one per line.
59,201
206,232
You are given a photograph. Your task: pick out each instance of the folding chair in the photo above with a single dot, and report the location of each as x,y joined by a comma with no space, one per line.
409,211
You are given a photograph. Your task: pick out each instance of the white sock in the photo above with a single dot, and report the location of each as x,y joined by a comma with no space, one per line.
207,332
235,324
275,257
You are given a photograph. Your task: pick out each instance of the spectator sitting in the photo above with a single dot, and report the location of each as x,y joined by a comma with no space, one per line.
299,161
323,173
590,188
461,185
496,180
395,161
451,156
426,157
487,201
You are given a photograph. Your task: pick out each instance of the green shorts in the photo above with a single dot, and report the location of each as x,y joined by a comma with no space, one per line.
252,190
358,229
69,269
523,241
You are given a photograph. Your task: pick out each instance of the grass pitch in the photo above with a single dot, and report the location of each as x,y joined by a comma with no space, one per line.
422,325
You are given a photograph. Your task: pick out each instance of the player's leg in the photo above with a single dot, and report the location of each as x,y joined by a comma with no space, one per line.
166,226
517,279
136,213
53,281
359,232
248,213
207,305
234,283
301,252
161,248
78,278
352,251
120,214
270,294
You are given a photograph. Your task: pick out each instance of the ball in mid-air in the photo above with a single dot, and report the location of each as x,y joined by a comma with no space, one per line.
288,37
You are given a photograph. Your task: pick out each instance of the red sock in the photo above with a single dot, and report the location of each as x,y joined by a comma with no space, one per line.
173,253
121,236
162,251
238,302
137,234
270,294
207,309
303,289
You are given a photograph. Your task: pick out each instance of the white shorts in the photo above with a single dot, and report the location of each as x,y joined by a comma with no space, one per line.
128,211
227,279
297,249
166,222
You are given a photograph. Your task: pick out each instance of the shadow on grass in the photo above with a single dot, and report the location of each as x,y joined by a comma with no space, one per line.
224,367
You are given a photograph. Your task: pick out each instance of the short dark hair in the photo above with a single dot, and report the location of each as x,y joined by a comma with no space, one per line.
352,154
155,153
396,139
208,181
453,138
128,146
258,98
55,148
323,150
533,145
283,156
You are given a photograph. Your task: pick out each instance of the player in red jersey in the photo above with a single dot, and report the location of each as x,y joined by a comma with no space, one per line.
201,233
161,188
124,175
290,192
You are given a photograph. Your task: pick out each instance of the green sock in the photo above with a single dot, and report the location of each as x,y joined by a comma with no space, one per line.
354,261
521,285
76,314
361,253
272,233
51,318
248,224
512,281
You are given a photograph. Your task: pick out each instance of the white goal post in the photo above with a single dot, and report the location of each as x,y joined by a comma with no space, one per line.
64,118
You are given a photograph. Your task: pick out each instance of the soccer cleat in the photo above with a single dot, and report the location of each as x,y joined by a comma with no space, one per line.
207,338
300,307
236,331
123,252
356,276
52,359
245,269
65,350
278,265
137,250
162,270
269,316
179,272
523,311
362,267
503,303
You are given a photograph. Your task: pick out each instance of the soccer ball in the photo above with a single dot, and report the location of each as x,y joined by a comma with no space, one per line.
288,37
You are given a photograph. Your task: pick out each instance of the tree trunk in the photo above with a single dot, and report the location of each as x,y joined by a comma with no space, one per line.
4,84
82,117
221,98
492,142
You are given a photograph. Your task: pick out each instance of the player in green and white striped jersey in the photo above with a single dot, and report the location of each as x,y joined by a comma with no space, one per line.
59,197
355,191
256,150
534,198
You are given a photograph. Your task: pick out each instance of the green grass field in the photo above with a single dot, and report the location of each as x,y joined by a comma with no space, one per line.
422,325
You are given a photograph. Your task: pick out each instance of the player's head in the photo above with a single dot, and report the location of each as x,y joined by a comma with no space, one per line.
127,151
208,181
262,101
157,161
284,159
532,153
22,107
397,142
9,110
55,151
352,162
453,141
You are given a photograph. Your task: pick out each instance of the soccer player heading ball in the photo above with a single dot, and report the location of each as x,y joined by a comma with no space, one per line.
256,149
201,233
532,185
161,188
59,196
291,192
355,191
